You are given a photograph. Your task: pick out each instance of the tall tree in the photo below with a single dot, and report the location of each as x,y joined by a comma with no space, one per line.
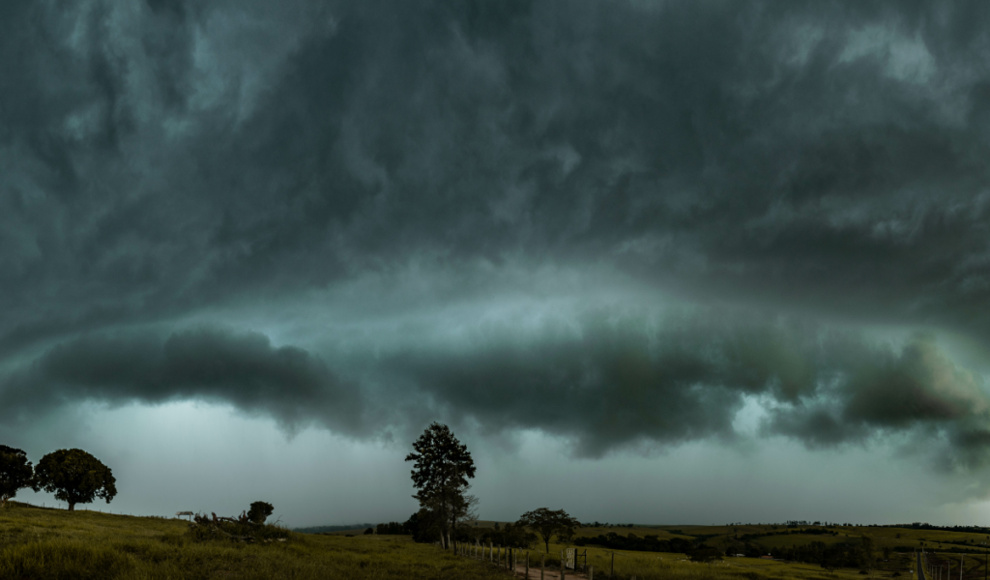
74,476
15,473
441,471
548,523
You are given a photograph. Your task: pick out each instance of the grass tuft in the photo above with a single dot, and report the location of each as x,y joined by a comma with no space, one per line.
64,560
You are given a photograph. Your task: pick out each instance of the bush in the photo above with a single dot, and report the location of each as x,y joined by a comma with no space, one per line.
260,511
706,554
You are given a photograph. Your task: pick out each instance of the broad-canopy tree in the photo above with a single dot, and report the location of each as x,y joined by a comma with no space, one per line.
441,471
74,476
15,473
549,523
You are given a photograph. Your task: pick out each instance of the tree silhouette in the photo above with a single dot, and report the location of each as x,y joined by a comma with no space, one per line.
441,471
15,473
260,511
74,476
548,523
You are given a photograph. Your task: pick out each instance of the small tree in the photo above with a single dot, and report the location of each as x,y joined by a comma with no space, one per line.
548,523
260,511
74,476
15,473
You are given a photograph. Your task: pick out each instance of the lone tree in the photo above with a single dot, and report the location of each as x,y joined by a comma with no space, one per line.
441,472
74,476
260,511
548,523
15,473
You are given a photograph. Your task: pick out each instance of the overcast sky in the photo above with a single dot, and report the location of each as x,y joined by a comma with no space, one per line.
654,262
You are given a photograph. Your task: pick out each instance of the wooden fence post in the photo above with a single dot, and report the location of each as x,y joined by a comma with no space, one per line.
591,573
562,565
543,564
527,565
491,552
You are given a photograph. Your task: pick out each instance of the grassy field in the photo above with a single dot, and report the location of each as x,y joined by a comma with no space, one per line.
656,566
38,543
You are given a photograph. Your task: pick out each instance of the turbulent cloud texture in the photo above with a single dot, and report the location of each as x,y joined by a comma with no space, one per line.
253,203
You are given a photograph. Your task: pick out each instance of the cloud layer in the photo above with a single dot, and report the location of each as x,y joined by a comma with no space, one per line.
166,162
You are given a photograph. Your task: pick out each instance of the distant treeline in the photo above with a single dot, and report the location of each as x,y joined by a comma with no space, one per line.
651,543
810,532
396,529
927,526
322,529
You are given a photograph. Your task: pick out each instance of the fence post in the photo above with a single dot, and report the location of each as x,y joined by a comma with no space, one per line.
491,552
591,573
543,564
527,565
562,565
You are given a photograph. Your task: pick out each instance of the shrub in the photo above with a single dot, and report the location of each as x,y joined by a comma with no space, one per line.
235,530
260,511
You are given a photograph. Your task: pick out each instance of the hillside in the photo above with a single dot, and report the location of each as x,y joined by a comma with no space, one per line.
44,543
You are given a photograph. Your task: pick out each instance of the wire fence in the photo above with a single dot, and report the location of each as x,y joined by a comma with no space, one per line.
520,564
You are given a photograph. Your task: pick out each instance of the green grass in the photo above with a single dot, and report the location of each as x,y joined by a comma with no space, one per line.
656,566
38,543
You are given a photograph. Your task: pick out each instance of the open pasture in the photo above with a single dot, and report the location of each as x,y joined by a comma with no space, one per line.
658,565
54,544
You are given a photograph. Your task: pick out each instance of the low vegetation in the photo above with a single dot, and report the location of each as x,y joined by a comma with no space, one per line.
38,543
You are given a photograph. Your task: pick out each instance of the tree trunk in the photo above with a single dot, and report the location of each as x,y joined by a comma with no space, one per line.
72,506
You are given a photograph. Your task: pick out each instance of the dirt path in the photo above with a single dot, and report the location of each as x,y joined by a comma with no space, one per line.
548,574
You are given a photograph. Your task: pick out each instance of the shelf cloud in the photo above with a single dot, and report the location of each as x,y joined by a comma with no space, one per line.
318,211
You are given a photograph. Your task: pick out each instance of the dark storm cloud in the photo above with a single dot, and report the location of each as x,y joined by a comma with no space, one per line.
168,159
243,370
605,380
622,381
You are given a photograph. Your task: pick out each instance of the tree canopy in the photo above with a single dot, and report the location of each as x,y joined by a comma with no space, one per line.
74,476
441,471
15,473
548,523
259,512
